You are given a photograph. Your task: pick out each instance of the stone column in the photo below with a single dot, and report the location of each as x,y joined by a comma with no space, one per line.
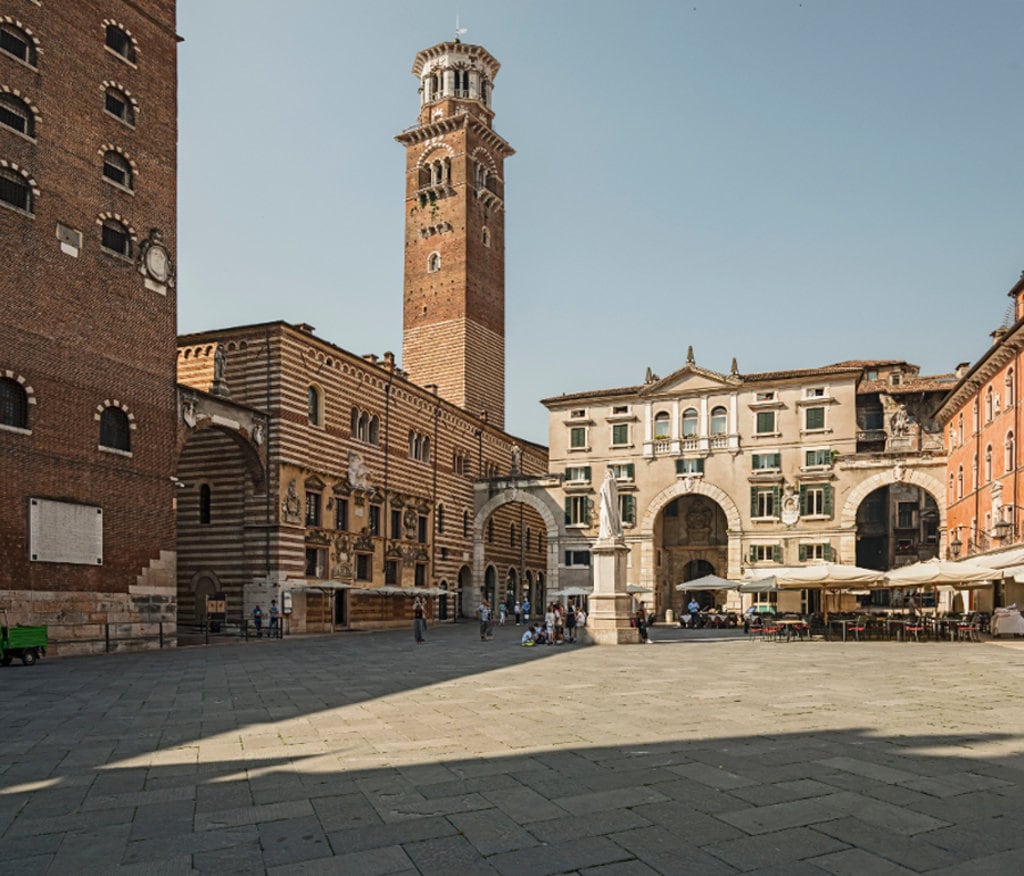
610,604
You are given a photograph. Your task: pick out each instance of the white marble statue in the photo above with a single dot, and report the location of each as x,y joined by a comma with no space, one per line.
610,522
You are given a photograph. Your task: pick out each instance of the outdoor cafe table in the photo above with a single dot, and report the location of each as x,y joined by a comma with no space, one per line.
790,623
844,622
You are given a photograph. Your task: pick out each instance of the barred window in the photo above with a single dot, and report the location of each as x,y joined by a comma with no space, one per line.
116,103
115,432
14,41
16,115
15,190
120,43
117,169
116,238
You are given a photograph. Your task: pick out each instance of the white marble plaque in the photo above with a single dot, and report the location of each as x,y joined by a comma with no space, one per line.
65,532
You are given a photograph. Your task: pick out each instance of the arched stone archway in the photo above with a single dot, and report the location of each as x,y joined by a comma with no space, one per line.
886,478
687,487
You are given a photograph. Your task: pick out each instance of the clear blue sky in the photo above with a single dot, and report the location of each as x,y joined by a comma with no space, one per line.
791,182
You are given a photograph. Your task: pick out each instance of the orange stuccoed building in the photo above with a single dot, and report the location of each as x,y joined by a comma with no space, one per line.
982,419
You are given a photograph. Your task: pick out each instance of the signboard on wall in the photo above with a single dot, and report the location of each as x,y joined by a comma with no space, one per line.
65,532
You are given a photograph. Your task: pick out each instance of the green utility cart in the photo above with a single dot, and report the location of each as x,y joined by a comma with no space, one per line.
28,643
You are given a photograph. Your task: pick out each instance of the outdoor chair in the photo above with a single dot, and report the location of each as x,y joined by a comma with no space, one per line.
967,630
915,628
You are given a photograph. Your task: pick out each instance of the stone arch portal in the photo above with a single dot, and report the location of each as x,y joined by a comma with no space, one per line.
897,475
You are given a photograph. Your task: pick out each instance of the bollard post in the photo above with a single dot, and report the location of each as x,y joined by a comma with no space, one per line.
161,634
106,637
245,629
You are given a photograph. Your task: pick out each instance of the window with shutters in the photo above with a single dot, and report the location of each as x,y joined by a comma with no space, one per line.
395,531
578,438
373,520
623,472
816,500
620,434
627,509
312,508
577,511
689,467
422,528
818,458
814,419
766,553
821,551
764,423
577,474
341,514
316,562
391,572
766,461
764,502
420,575
364,567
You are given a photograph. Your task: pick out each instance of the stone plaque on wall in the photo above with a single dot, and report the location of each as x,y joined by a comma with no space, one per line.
65,532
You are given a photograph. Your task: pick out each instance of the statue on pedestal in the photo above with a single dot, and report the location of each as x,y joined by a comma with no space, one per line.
610,522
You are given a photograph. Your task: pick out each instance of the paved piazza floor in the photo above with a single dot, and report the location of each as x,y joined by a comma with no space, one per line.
367,754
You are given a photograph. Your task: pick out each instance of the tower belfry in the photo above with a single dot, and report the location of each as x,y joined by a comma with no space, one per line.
454,290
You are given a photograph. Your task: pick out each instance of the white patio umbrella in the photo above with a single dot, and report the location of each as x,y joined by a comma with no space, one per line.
823,576
709,582
963,575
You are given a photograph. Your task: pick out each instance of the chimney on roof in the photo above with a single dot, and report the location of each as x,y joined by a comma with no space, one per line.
389,360
305,327
371,358
961,369
997,335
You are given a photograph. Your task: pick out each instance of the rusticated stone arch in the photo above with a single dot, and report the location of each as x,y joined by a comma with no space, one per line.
931,485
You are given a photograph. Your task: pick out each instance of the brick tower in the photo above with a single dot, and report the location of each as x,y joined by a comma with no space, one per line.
454,296
88,157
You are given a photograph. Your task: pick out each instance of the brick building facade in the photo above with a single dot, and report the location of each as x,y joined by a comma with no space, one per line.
88,134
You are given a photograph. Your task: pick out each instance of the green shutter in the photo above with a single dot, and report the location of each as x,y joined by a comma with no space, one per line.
630,470
777,553
753,554
809,458
586,473
803,552
568,511
828,553
776,460
753,501
585,506
568,474
828,499
776,500
628,513
803,499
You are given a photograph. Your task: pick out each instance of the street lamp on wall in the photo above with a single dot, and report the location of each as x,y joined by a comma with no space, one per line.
955,546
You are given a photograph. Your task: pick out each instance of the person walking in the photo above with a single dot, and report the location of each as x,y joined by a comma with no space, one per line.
419,620
275,620
570,623
502,613
484,613
517,610
526,610
257,621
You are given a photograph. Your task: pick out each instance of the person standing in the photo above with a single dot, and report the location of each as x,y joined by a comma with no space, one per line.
502,613
570,623
275,620
484,613
526,609
419,621
257,621
640,621
517,610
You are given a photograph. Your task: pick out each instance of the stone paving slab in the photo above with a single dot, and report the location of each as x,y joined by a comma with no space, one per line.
361,753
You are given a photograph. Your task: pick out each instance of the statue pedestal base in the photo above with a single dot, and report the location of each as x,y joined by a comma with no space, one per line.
611,607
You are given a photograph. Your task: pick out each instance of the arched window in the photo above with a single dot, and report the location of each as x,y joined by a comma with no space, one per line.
117,169
314,407
1010,453
120,43
16,114
15,190
440,519
15,42
661,425
490,531
988,463
204,504
13,404
974,472
465,524
719,420
354,426
119,105
374,431
434,262
960,482
1011,390
988,405
952,493
116,238
960,429
115,430
690,422
529,539
512,535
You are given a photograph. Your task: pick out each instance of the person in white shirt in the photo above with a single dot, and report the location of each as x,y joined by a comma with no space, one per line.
484,613
527,637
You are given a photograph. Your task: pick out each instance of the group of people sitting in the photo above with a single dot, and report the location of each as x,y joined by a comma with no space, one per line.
560,626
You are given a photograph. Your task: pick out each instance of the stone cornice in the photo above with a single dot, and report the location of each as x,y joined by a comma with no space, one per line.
422,133
987,367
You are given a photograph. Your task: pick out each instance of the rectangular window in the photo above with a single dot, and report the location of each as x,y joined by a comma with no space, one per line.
766,461
341,514
373,524
766,553
316,563
624,472
620,409
765,423
620,434
421,528
815,552
577,511
814,392
764,501
364,567
578,414
396,524
821,458
627,509
689,466
312,509
577,558
814,418
906,515
764,396
115,240
816,500
578,437
391,572
421,575
578,474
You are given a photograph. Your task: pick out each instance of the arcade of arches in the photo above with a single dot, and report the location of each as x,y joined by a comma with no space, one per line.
691,541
